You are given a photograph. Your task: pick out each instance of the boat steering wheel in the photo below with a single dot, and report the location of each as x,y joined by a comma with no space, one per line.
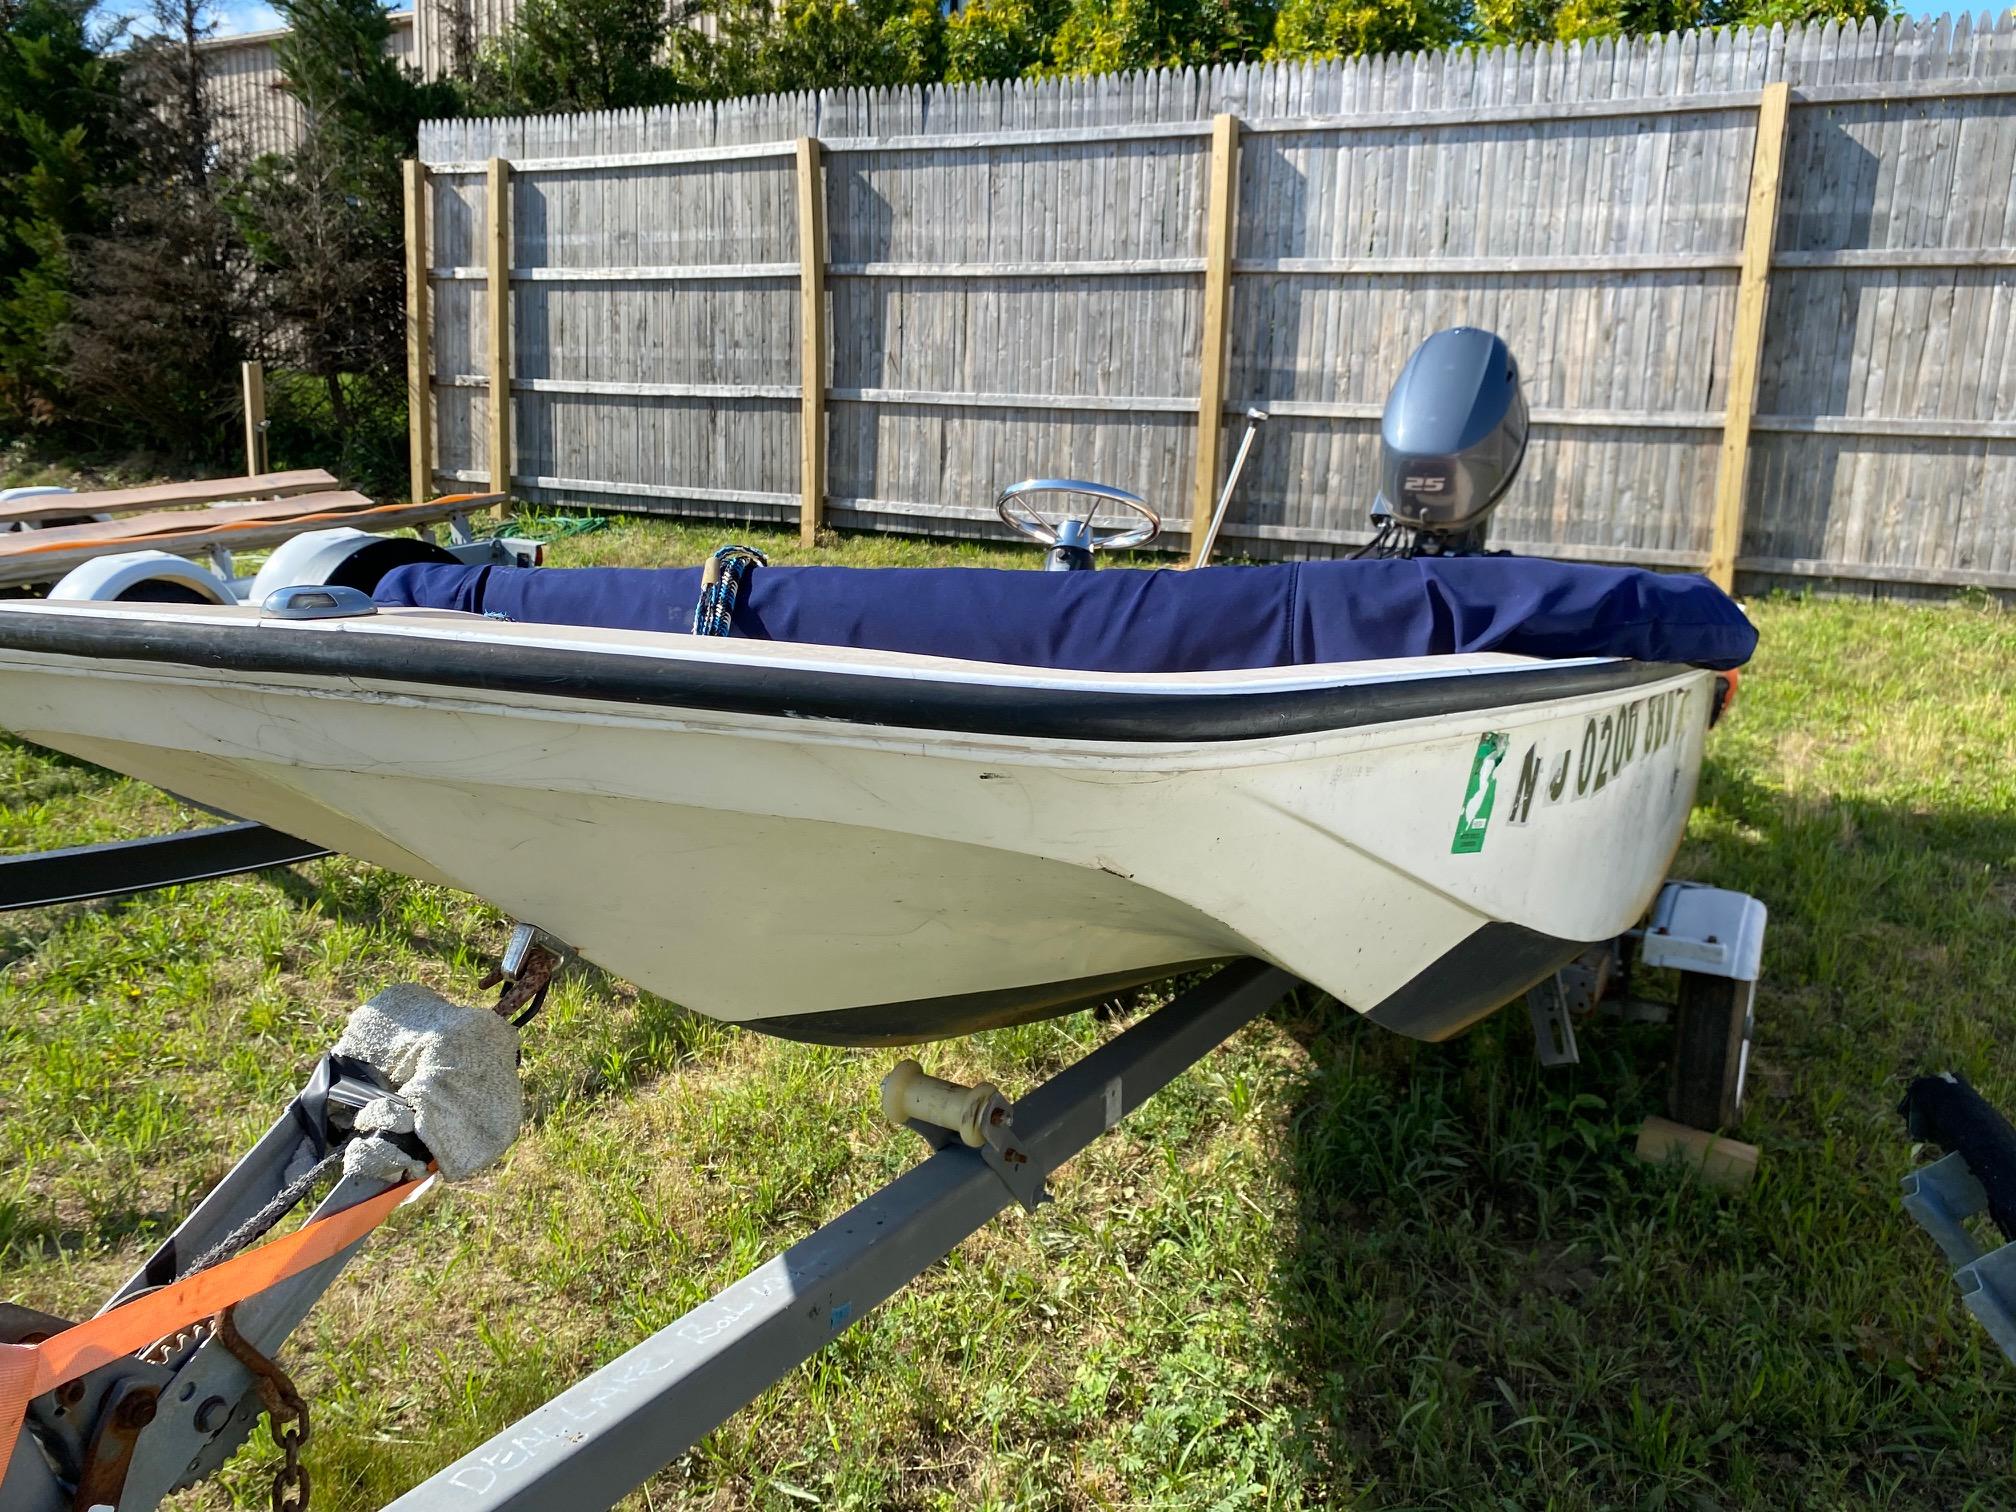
1076,535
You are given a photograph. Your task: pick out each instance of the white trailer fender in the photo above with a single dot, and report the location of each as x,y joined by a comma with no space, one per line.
321,557
149,576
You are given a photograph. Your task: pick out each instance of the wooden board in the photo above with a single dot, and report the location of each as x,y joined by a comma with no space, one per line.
175,521
811,174
252,390
1727,1163
498,234
1221,230
115,501
419,339
246,529
1746,345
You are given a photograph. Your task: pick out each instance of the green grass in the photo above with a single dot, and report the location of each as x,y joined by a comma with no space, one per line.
1327,1267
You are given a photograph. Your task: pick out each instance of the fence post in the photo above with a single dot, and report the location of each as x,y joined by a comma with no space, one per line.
1746,348
419,333
499,271
252,384
1219,237
811,339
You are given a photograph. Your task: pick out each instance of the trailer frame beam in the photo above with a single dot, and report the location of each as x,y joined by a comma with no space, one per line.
118,868
604,1436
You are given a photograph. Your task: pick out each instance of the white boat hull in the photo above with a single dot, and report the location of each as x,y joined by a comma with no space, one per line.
855,880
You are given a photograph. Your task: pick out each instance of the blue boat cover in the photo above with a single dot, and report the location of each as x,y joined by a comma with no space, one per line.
1126,620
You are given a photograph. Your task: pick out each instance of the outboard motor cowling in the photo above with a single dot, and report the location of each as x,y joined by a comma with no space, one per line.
1451,440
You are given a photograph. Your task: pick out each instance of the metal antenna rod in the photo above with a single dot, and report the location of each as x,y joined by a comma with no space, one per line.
1255,418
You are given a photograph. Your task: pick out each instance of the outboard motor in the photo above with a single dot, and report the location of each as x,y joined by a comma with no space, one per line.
1450,442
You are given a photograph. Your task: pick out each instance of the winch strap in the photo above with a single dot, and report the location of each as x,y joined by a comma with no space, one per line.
28,1370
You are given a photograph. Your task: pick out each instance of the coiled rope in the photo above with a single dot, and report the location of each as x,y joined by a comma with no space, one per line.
720,581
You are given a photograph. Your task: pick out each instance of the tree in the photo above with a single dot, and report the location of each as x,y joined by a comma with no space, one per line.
1586,20
1801,12
1111,36
355,95
152,346
823,44
1000,39
59,112
326,225
1351,28
588,55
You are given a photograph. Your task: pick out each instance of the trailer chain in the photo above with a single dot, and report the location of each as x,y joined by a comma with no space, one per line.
169,1348
286,1412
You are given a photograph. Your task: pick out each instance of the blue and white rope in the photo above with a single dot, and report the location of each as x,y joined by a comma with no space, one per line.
720,582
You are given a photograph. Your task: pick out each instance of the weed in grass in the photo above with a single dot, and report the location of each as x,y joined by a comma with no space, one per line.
1328,1267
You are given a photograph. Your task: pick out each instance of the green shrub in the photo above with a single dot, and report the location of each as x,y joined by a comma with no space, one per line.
365,447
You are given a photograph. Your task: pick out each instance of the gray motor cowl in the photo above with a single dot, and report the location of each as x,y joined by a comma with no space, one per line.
1452,436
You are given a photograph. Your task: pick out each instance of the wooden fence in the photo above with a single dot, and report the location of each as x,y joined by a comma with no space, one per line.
1759,283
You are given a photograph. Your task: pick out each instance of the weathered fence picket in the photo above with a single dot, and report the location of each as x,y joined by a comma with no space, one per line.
1025,278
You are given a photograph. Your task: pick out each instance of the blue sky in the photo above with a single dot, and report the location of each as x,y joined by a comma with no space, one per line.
246,16
236,16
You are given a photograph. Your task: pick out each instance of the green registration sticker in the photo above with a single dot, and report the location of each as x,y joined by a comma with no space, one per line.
1479,796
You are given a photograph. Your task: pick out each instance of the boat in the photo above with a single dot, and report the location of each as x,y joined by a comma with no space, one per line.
901,804
869,807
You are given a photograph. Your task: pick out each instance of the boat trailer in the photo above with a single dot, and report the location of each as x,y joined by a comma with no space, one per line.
163,1385
120,868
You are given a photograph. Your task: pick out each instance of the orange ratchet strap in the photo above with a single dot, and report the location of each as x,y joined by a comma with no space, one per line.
28,1370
